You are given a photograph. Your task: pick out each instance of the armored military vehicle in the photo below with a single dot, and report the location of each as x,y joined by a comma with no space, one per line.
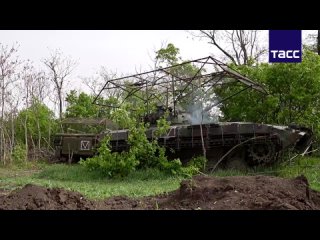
79,138
191,135
256,144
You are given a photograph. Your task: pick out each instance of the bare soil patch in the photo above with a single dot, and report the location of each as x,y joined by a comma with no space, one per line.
200,192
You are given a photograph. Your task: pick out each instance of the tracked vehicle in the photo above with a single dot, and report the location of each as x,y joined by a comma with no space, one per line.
252,143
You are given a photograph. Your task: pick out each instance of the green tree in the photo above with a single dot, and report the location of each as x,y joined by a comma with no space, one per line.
80,105
41,124
170,56
294,91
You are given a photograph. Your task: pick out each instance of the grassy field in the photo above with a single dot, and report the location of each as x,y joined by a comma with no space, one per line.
91,184
141,183
307,166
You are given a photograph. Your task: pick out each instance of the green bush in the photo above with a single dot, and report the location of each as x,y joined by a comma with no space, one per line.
142,154
19,154
194,166
111,164
198,162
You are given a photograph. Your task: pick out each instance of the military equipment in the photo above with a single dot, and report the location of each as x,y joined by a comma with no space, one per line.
262,143
193,130
74,142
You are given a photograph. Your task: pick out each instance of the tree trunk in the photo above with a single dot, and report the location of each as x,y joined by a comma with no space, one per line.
49,136
202,142
60,109
8,144
26,136
318,42
34,148
60,105
2,139
3,154
39,134
12,133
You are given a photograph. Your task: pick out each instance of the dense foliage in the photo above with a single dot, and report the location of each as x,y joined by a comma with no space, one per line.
80,105
294,91
38,123
142,154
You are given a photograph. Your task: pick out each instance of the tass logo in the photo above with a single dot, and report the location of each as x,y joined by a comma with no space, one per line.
285,46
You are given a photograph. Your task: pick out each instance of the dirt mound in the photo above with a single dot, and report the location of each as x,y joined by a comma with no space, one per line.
249,192
201,192
32,197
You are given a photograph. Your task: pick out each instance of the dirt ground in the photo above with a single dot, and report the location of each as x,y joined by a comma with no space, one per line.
199,193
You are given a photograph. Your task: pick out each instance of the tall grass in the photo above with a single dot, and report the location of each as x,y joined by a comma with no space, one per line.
307,166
